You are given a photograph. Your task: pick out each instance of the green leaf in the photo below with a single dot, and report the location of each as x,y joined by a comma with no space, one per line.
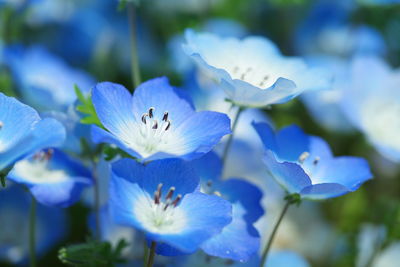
92,254
3,175
86,107
112,152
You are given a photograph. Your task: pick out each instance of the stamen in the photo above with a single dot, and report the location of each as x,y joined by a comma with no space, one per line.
218,194
209,183
151,112
155,125
303,157
245,73
48,154
157,194
165,117
266,77
168,125
1,125
170,193
316,160
176,201
144,117
235,69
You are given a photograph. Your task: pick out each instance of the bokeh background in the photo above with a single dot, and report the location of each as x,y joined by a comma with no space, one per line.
59,43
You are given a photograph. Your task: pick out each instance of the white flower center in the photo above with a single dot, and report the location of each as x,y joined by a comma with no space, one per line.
308,168
160,215
252,76
37,171
153,133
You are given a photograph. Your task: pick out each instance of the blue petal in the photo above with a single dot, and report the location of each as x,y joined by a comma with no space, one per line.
169,251
318,150
101,136
47,133
202,132
289,175
168,172
323,191
207,216
245,193
267,135
158,93
208,167
292,142
350,172
17,120
113,104
237,241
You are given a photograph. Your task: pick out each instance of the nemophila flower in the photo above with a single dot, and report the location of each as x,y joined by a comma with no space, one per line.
45,81
252,71
388,257
304,164
157,122
50,225
23,132
54,178
369,242
162,200
372,103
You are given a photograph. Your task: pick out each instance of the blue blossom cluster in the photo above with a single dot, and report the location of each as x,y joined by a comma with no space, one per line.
218,155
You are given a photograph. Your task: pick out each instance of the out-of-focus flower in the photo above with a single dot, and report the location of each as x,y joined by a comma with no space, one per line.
23,132
162,199
188,6
286,258
50,226
54,178
304,164
157,122
252,71
369,241
372,103
324,105
389,257
45,81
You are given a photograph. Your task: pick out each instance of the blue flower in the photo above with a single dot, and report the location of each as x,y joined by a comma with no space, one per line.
23,132
239,240
45,81
162,199
304,164
372,103
157,122
51,226
54,178
252,71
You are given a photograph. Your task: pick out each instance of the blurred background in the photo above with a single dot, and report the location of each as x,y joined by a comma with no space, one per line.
47,46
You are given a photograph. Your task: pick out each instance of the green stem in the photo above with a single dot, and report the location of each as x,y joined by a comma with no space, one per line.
135,70
32,228
274,231
152,254
230,138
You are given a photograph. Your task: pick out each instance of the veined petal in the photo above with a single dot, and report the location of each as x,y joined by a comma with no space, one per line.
323,191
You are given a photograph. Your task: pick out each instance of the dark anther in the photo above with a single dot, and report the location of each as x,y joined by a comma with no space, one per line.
151,112
157,194
316,160
176,201
170,193
144,117
155,126
48,154
1,125
168,125
209,183
266,77
165,117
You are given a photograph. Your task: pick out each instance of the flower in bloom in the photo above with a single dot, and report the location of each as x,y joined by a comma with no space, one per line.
157,122
51,226
162,199
23,132
46,82
304,164
372,103
252,71
54,178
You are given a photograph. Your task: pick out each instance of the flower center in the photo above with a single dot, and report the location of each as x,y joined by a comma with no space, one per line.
152,131
249,75
308,168
161,215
